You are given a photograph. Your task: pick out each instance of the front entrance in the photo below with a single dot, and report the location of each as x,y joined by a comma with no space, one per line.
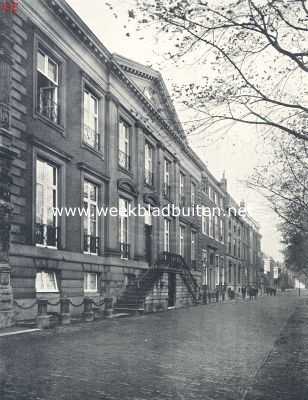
171,289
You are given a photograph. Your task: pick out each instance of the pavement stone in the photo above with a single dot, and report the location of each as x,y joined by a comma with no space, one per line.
201,352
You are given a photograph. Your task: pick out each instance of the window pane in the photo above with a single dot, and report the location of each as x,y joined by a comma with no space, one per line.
40,61
52,71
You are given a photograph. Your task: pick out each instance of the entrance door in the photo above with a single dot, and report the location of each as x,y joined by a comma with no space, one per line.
171,289
148,243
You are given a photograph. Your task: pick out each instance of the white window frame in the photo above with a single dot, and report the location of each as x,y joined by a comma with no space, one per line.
44,280
166,235
193,194
87,280
167,172
123,222
87,94
193,245
45,72
148,159
182,241
217,269
55,188
182,185
90,203
124,142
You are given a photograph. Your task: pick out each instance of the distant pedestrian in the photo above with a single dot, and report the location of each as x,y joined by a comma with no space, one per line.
244,292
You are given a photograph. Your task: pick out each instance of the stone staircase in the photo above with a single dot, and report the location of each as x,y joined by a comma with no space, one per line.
132,300
176,263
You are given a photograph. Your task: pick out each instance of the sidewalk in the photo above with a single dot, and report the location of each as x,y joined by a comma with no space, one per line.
284,373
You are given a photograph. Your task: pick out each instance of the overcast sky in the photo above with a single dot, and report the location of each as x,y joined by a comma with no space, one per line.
236,153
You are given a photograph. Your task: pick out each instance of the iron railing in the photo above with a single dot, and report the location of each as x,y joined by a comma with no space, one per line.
125,250
175,263
91,244
46,235
49,108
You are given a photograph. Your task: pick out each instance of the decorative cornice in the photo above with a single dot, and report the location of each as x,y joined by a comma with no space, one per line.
127,186
151,198
59,153
87,168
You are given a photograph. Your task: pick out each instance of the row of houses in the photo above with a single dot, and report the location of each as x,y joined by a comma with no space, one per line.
83,128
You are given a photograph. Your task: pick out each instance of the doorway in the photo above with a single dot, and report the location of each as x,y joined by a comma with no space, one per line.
171,289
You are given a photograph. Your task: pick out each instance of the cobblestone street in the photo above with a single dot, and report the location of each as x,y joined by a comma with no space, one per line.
219,351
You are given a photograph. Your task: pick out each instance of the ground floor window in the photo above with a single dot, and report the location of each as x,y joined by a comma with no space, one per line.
46,281
90,282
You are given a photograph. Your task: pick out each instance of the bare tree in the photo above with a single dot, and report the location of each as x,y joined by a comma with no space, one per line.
250,58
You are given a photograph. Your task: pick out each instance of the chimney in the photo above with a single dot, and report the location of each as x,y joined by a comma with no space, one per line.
223,182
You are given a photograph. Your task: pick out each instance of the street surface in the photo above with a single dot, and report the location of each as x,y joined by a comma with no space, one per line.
246,350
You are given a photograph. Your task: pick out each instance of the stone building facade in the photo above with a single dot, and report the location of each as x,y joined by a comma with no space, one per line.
84,128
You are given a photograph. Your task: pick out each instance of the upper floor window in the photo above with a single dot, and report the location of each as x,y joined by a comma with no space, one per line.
193,194
148,164
182,241
90,120
182,189
221,230
215,198
124,146
167,188
210,192
193,248
46,221
47,86
204,184
216,228
166,235
90,221
124,228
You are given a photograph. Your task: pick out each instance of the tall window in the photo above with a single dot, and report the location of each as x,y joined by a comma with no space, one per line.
124,228
90,222
230,272
217,269
216,233
46,223
90,120
124,145
229,243
239,274
210,223
166,189
182,241
47,86
222,270
182,189
221,230
193,248
204,266
193,194
166,235
148,164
